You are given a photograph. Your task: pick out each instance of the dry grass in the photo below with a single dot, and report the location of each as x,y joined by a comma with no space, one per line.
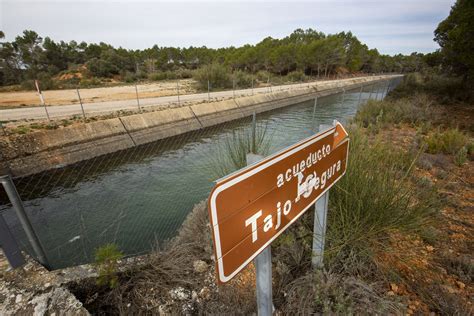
329,293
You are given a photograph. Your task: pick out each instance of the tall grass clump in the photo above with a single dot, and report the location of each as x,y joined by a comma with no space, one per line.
231,154
219,76
446,89
376,196
413,110
450,141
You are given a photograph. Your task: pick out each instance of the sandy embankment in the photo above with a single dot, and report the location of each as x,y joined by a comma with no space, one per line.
69,96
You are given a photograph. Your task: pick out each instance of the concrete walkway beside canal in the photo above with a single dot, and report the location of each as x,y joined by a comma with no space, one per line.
100,108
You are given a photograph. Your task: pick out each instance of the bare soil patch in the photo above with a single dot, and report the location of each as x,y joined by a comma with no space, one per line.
17,99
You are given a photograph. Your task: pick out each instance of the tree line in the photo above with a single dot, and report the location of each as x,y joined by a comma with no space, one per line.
306,52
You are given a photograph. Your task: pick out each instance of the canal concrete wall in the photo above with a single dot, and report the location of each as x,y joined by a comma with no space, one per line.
38,151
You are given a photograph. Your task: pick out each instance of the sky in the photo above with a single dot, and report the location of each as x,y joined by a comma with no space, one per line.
402,26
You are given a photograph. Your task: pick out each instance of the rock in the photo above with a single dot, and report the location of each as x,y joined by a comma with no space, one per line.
390,293
179,294
163,310
46,285
429,248
205,293
460,285
200,266
194,296
41,307
18,299
60,301
394,287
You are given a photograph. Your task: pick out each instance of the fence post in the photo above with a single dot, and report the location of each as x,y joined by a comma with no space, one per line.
233,86
377,94
138,100
9,245
254,129
252,86
3,129
15,199
314,112
208,91
40,93
177,88
80,101
389,83
371,88
343,95
360,95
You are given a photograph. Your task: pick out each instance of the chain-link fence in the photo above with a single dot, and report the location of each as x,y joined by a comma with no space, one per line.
84,104
138,198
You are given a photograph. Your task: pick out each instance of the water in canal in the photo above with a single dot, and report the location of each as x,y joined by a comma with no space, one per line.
139,197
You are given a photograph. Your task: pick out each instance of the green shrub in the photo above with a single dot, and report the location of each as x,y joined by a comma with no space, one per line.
445,89
170,75
450,141
375,197
218,75
183,73
296,76
22,129
461,157
89,83
157,76
414,110
106,262
130,77
243,79
45,81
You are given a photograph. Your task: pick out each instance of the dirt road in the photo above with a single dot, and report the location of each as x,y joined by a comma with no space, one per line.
122,92
98,108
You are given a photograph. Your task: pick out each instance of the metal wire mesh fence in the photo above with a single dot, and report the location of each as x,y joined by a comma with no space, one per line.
138,198
82,104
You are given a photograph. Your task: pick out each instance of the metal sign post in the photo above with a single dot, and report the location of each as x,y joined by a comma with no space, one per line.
319,228
263,262
250,208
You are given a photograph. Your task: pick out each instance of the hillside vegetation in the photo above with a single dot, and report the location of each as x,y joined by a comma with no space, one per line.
301,55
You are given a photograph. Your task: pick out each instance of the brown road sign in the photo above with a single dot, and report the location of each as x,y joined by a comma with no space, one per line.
250,208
